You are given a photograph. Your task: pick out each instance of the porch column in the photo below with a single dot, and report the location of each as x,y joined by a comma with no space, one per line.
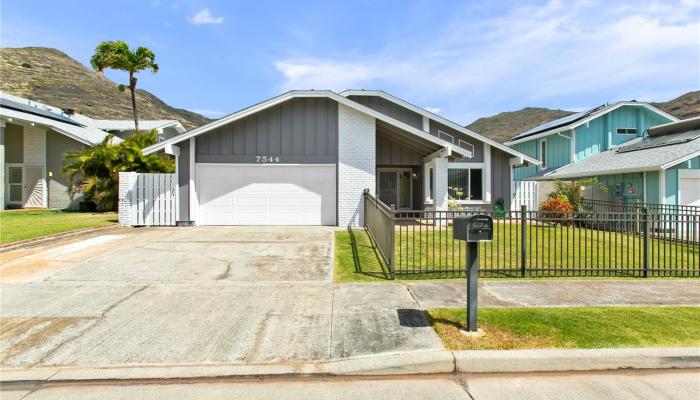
440,184
426,180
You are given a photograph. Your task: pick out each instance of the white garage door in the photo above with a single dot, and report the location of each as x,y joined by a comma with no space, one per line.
689,184
236,194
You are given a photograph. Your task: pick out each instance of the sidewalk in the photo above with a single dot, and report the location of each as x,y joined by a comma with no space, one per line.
560,293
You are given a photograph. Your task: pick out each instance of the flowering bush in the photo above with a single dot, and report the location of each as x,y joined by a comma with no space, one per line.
557,209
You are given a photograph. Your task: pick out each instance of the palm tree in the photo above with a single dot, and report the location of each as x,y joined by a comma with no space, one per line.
118,55
94,171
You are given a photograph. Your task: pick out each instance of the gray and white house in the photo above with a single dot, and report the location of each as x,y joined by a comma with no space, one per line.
34,137
306,156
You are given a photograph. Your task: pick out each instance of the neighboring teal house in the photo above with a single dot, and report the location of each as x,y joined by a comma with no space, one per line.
617,144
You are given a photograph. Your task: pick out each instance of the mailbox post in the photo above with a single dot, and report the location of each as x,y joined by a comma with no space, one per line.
472,229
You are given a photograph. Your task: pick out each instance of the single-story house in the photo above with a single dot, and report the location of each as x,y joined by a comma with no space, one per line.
33,139
663,167
306,156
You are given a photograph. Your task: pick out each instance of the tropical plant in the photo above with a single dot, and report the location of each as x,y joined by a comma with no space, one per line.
94,171
571,191
117,55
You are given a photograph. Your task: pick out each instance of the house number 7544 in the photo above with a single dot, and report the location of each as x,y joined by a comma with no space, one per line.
267,159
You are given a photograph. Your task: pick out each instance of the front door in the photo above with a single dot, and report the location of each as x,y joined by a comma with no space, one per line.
394,187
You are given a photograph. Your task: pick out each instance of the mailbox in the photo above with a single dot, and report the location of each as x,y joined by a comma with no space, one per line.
473,228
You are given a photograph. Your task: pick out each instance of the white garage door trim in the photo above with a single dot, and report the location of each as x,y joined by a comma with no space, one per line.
689,187
266,194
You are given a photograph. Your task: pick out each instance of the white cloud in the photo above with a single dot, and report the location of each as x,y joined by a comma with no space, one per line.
532,55
434,110
210,113
204,17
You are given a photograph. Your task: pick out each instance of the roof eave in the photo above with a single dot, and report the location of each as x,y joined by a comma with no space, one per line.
440,119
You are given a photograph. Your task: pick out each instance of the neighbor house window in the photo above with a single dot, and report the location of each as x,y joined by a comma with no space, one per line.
543,153
627,131
465,183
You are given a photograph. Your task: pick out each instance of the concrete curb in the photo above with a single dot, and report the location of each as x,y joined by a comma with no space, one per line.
23,244
551,360
409,363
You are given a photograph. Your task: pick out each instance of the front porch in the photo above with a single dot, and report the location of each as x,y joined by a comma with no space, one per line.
413,174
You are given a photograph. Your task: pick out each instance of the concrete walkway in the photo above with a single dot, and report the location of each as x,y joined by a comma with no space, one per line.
237,295
561,293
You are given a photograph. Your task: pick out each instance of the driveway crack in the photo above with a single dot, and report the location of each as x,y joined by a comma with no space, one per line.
96,321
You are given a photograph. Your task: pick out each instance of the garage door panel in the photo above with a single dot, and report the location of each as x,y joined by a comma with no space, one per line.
231,194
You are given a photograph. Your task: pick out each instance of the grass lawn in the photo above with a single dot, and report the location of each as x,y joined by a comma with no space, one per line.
19,225
571,327
549,251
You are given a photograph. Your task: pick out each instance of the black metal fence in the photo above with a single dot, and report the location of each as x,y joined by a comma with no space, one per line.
627,207
536,244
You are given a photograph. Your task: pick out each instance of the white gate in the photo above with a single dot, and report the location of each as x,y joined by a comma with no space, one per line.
523,193
147,199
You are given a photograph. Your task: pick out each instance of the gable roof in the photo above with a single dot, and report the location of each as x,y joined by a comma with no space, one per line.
648,154
306,93
574,120
442,120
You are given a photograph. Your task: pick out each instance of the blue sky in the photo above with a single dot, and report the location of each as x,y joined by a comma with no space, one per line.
464,59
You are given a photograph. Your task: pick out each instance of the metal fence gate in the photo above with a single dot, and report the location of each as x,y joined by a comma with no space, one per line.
147,199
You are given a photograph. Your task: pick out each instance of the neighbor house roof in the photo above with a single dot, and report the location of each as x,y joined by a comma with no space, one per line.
126,125
442,120
74,126
648,154
574,120
302,94
78,127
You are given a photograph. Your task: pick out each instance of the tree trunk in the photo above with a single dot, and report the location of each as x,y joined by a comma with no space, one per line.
132,89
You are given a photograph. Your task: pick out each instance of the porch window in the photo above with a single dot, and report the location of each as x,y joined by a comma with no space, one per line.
465,183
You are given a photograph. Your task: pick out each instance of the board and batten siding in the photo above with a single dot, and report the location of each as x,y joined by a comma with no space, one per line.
183,173
57,145
391,109
500,177
298,131
478,155
671,179
392,153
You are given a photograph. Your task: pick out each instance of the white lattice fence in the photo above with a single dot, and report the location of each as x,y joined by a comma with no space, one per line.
147,199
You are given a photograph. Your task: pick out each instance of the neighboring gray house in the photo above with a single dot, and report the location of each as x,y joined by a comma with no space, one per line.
305,157
166,128
33,139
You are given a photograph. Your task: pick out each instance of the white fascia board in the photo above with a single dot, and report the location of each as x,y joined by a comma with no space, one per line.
680,160
439,119
442,153
11,116
306,93
606,172
590,118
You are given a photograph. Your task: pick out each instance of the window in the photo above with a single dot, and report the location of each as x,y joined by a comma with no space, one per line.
465,184
466,145
627,131
446,136
543,153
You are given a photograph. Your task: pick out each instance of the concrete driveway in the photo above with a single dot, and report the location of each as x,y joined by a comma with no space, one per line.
196,296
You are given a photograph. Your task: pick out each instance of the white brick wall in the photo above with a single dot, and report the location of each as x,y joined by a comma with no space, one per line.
440,181
127,183
356,163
